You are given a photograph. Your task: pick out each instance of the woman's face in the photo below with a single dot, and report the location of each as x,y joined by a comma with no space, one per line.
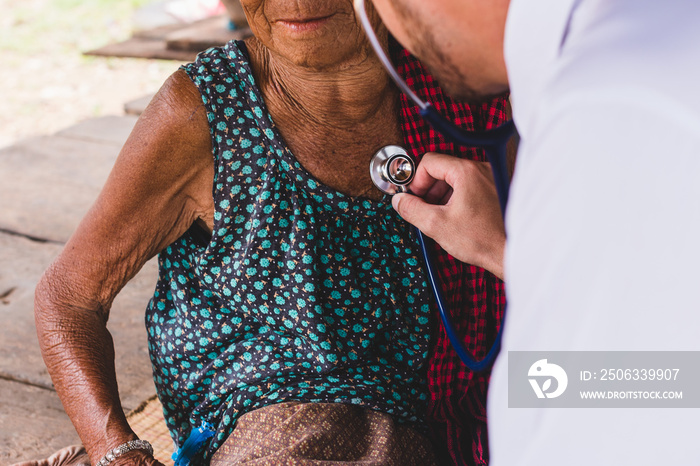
318,34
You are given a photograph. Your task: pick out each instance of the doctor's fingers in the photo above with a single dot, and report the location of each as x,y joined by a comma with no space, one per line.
439,193
431,169
454,171
428,218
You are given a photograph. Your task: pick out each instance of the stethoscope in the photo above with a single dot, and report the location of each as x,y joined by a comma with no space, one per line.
392,170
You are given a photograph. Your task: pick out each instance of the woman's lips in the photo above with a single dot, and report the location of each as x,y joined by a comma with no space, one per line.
305,24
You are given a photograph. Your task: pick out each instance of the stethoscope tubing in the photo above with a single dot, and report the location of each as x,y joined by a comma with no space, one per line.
470,361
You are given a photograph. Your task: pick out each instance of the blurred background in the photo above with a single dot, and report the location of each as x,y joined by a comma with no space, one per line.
46,81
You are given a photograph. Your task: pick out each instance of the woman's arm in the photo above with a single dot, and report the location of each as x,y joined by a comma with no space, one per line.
160,184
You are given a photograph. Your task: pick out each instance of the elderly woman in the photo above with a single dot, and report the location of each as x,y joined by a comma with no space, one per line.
291,318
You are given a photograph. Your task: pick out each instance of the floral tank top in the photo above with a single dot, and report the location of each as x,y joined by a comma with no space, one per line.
301,293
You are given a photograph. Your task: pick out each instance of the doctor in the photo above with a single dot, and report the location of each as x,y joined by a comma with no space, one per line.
603,222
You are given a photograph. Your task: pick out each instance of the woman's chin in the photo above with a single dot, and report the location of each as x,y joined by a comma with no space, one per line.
315,46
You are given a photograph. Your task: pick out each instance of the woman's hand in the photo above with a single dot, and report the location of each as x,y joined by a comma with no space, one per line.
455,203
160,184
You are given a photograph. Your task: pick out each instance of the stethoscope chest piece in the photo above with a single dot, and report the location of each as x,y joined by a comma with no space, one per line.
392,169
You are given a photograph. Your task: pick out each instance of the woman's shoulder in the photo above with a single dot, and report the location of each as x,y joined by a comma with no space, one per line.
174,125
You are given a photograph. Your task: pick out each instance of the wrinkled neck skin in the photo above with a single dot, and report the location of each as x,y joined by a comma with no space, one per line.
339,114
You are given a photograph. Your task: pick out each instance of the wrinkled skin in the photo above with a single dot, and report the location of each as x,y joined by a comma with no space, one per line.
331,101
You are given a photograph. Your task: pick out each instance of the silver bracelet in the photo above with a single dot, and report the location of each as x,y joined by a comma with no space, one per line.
125,448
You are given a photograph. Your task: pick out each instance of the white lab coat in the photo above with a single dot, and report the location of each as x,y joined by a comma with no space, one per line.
604,218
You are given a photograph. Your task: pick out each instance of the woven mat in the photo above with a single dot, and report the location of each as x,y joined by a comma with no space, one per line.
148,423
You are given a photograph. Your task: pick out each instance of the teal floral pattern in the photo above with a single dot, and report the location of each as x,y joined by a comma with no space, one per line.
302,293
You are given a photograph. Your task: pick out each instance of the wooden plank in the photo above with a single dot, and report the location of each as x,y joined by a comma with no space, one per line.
49,183
202,35
21,264
143,48
32,423
128,328
137,106
158,33
180,42
107,129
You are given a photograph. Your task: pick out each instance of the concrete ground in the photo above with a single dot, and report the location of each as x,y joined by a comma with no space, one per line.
47,184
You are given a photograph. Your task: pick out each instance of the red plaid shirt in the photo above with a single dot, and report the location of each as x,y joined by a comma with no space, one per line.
474,297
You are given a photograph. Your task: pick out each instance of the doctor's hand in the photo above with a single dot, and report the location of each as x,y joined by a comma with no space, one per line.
454,201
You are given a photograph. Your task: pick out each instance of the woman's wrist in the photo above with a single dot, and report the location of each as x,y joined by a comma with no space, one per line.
136,458
123,449
98,449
